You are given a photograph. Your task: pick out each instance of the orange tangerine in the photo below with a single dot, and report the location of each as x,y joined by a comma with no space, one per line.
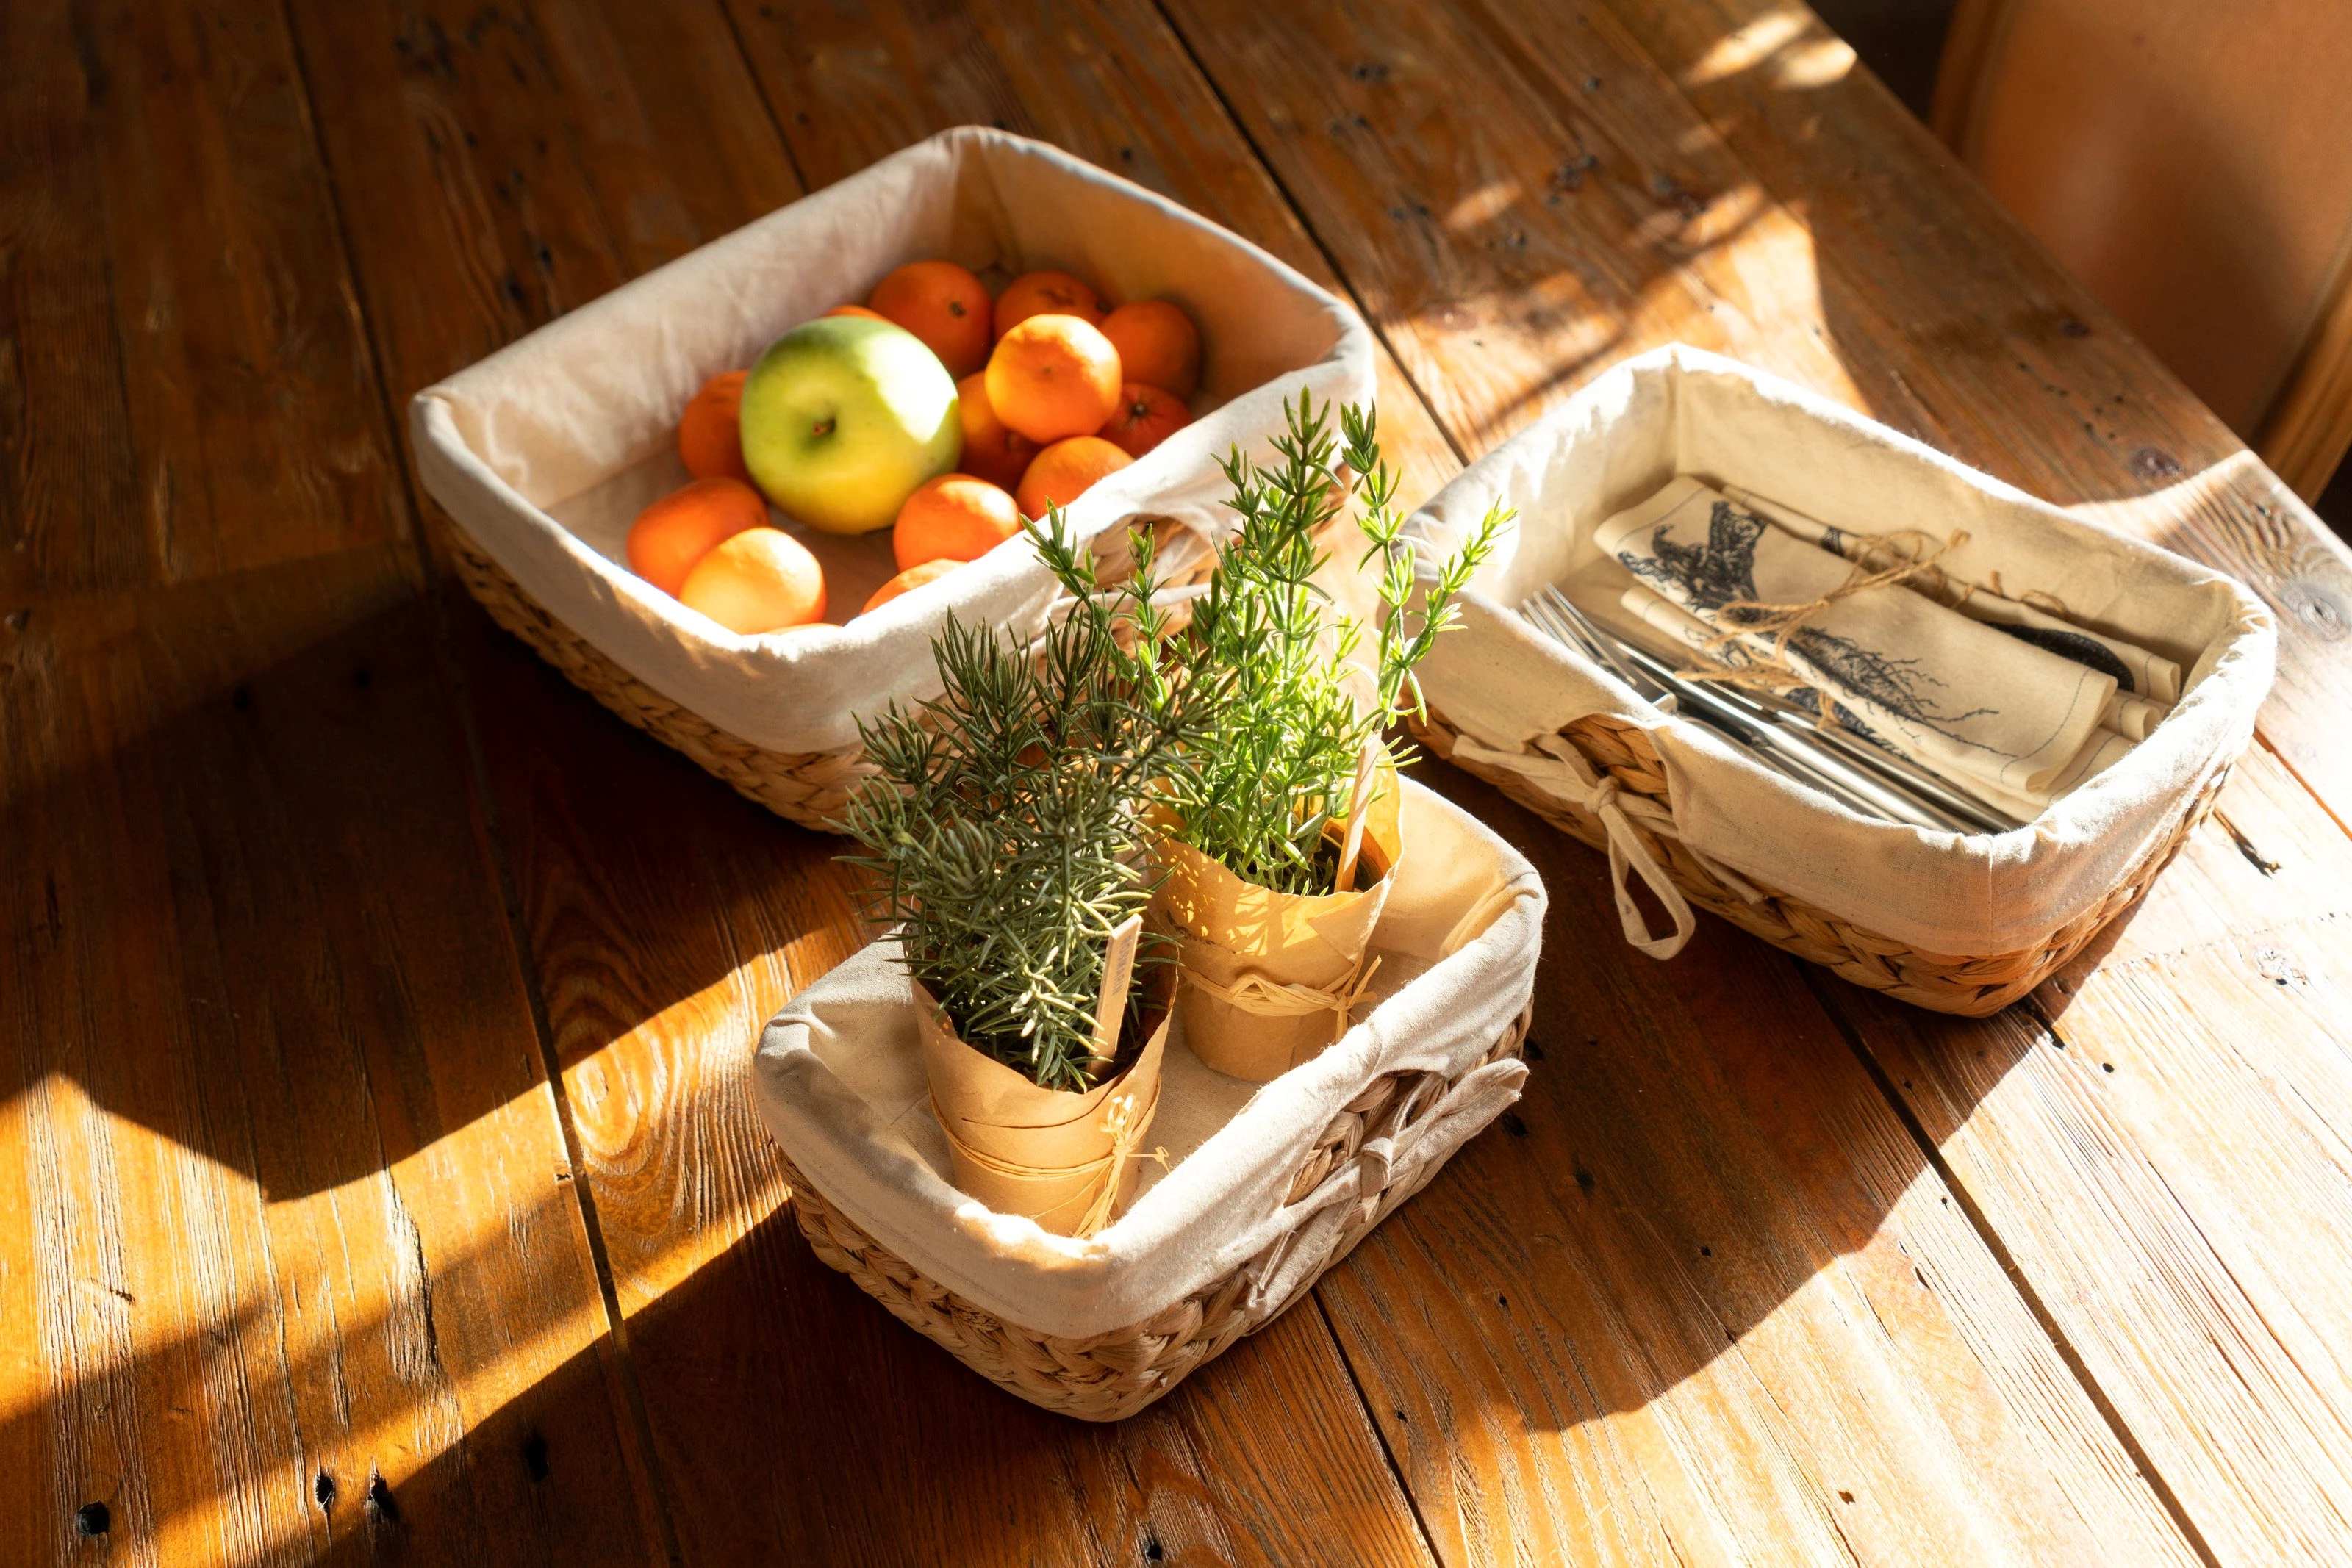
1157,345
990,450
907,581
1045,294
1063,471
952,517
945,306
710,436
762,579
1145,417
687,524
859,311
1053,376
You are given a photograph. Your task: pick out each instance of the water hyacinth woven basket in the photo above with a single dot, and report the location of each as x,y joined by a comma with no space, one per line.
1265,1187
1962,923
544,452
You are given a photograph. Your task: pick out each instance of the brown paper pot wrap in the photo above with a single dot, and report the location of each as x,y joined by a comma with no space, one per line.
1269,977
1066,1160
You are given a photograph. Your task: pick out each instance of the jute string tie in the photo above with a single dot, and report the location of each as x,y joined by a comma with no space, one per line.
1915,555
1254,994
1123,1122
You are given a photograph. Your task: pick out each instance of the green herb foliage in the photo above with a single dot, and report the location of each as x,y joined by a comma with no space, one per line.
1280,753
1006,831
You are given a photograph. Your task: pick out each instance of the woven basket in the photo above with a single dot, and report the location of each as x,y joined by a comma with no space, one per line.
1971,985
810,787
1110,1376
807,787
544,452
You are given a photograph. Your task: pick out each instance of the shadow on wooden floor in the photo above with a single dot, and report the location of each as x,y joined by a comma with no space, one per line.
1699,1146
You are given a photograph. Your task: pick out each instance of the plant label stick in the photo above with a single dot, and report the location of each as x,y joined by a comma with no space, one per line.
1119,972
1359,798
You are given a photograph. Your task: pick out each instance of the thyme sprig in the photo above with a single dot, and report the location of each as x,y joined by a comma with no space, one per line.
1280,751
1006,834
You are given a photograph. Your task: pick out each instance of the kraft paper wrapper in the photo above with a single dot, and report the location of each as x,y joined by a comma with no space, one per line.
1061,1136
1232,928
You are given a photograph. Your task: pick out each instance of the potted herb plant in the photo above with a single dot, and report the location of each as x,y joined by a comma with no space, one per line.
1287,833
1009,834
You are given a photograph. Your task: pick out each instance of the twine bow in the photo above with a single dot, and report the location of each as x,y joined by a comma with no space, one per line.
1254,993
1562,772
1915,555
1122,1122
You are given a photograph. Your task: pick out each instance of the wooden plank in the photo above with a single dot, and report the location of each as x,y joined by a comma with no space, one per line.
291,1251
2161,1148
666,920
178,342
1705,1298
1514,254
2076,410
522,160
296,1198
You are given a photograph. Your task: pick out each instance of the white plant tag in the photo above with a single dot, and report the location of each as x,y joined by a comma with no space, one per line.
1359,798
1119,974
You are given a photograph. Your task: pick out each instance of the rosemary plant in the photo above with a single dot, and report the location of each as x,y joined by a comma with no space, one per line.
1007,832
1280,752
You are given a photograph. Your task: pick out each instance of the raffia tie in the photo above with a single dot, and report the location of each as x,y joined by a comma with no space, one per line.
1916,555
1254,993
1562,771
1123,1124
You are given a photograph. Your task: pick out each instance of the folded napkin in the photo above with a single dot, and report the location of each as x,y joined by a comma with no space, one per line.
2108,745
1994,713
2140,674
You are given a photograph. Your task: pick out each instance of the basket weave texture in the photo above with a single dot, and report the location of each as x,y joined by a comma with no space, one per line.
1110,1376
810,787
1970,985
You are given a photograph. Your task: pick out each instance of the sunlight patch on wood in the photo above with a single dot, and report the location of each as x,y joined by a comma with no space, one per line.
1483,205
1813,65
1750,47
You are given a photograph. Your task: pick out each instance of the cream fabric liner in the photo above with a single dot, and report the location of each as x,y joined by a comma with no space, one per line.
838,1079
1681,410
546,450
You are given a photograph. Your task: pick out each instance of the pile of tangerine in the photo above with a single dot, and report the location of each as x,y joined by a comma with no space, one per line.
1055,391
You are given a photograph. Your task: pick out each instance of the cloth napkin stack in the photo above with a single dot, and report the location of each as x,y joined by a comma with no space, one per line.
2009,701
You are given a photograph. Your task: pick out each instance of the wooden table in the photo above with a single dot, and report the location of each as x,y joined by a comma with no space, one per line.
376,1172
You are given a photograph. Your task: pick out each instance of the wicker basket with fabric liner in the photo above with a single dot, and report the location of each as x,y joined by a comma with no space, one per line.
1248,1193
542,454
1959,922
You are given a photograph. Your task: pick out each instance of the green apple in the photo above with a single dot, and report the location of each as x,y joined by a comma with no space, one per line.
843,417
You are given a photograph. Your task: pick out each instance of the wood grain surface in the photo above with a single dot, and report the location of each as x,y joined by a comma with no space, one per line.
179,346
377,1178
295,1271
1705,1300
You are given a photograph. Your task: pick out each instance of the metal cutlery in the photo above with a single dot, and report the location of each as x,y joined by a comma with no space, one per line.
1760,740
1776,731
